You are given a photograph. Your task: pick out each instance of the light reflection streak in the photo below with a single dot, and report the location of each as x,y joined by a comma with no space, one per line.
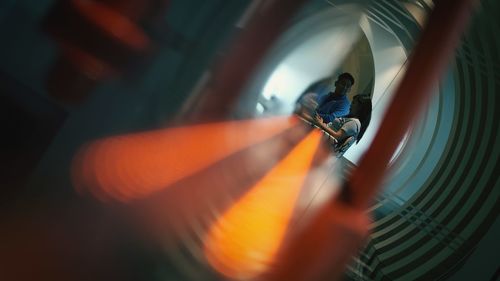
243,241
134,166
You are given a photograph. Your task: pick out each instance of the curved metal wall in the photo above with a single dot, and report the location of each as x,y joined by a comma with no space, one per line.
430,234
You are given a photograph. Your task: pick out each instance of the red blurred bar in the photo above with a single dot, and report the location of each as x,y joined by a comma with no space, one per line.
322,250
98,40
427,63
230,77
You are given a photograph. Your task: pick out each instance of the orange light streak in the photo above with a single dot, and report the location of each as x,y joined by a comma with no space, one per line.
243,242
136,165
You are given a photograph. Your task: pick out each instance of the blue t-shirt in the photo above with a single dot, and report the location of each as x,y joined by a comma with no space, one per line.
330,108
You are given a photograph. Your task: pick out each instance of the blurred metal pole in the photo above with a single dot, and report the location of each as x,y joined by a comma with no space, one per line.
429,60
230,76
322,249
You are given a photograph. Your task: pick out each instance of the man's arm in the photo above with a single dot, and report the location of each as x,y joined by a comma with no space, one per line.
338,135
306,116
327,118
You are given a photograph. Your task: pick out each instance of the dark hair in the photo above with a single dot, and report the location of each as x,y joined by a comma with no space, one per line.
364,113
346,75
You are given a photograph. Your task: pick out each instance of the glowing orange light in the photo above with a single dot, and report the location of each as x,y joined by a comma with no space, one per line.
243,242
133,166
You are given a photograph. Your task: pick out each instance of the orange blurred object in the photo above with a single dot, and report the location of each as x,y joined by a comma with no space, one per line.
244,240
134,166
323,248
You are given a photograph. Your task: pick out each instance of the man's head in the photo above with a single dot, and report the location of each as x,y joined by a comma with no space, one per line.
344,83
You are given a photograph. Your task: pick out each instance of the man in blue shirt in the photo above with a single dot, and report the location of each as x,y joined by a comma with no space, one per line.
335,104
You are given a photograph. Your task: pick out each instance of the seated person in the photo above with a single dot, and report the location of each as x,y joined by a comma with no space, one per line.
353,125
330,106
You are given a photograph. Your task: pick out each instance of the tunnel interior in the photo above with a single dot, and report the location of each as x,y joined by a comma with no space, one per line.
435,219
